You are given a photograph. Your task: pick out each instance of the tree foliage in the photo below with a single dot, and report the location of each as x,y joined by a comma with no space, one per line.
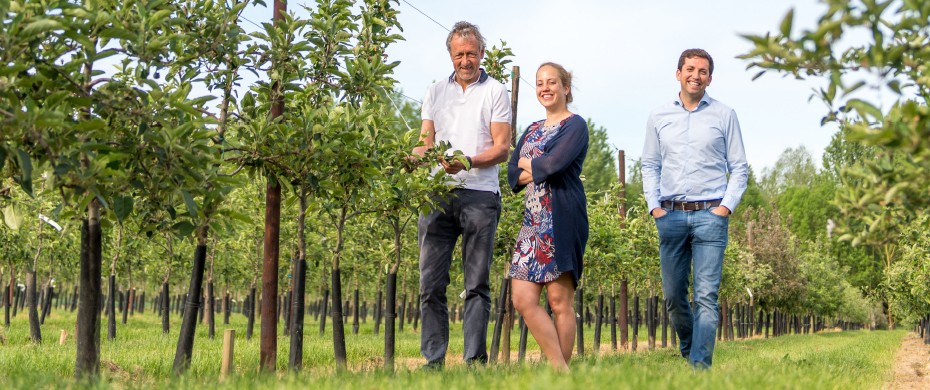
891,42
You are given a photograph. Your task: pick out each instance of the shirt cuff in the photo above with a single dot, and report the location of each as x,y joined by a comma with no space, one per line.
652,205
729,202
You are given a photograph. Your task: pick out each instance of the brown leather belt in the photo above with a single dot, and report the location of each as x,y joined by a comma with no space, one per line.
690,206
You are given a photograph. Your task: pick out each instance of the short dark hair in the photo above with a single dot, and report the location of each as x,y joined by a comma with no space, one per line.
464,30
691,53
564,76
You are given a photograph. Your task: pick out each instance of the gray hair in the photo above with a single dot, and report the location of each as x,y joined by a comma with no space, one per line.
465,30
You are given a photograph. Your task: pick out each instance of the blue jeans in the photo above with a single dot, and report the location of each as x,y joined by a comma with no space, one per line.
473,215
698,239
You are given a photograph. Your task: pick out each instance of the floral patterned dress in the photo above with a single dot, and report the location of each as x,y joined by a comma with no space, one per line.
534,256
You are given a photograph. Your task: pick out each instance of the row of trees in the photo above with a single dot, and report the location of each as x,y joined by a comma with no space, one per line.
878,163
132,156
102,132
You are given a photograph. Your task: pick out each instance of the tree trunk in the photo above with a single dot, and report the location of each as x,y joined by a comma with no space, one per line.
339,336
111,308
202,304
210,312
521,349
508,322
226,309
165,308
613,321
653,321
624,314
47,308
403,311
269,326
355,314
579,320
723,331
598,321
128,303
635,339
16,298
87,361
296,356
664,324
499,322
284,305
9,302
35,332
182,356
250,314
378,312
324,310
389,321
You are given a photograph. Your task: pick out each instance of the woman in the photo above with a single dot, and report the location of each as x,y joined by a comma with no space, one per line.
547,163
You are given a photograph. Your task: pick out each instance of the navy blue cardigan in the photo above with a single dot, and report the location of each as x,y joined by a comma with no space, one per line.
560,166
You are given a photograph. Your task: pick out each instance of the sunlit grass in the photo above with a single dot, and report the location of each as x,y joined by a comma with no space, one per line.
141,357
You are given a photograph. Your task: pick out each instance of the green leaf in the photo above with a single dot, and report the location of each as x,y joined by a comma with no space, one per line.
90,125
25,166
118,33
865,109
189,201
183,229
13,217
787,22
122,207
895,86
56,98
38,27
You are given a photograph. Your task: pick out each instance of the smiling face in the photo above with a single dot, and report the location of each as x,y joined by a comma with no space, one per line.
694,76
466,58
550,90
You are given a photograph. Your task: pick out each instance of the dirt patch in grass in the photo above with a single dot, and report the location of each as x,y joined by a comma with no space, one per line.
912,365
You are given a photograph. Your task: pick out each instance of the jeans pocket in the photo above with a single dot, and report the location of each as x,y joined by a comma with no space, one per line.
667,212
709,211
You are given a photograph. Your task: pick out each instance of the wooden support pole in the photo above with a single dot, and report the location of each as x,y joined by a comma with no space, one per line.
514,99
508,323
227,368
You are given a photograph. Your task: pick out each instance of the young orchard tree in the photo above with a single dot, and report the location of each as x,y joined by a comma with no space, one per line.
63,113
890,58
402,193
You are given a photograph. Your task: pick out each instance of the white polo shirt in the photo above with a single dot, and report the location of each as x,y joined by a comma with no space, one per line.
464,119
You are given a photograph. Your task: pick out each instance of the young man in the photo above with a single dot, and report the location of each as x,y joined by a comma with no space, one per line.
692,143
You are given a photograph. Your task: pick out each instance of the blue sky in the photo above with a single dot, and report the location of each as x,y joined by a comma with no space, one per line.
623,55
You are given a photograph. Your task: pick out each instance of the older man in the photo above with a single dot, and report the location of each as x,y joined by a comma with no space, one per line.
472,112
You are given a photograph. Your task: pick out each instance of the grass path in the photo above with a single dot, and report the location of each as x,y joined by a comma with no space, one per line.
141,357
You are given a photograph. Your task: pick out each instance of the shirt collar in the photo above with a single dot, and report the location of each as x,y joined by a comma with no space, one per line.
481,78
705,100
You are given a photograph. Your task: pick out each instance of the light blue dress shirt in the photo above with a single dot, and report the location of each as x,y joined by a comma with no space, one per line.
687,155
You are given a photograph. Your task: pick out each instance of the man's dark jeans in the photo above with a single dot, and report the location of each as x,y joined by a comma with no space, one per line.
473,215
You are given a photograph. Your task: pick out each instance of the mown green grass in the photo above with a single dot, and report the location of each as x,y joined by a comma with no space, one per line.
141,357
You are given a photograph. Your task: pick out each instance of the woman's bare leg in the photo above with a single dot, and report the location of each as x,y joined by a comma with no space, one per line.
526,301
561,295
